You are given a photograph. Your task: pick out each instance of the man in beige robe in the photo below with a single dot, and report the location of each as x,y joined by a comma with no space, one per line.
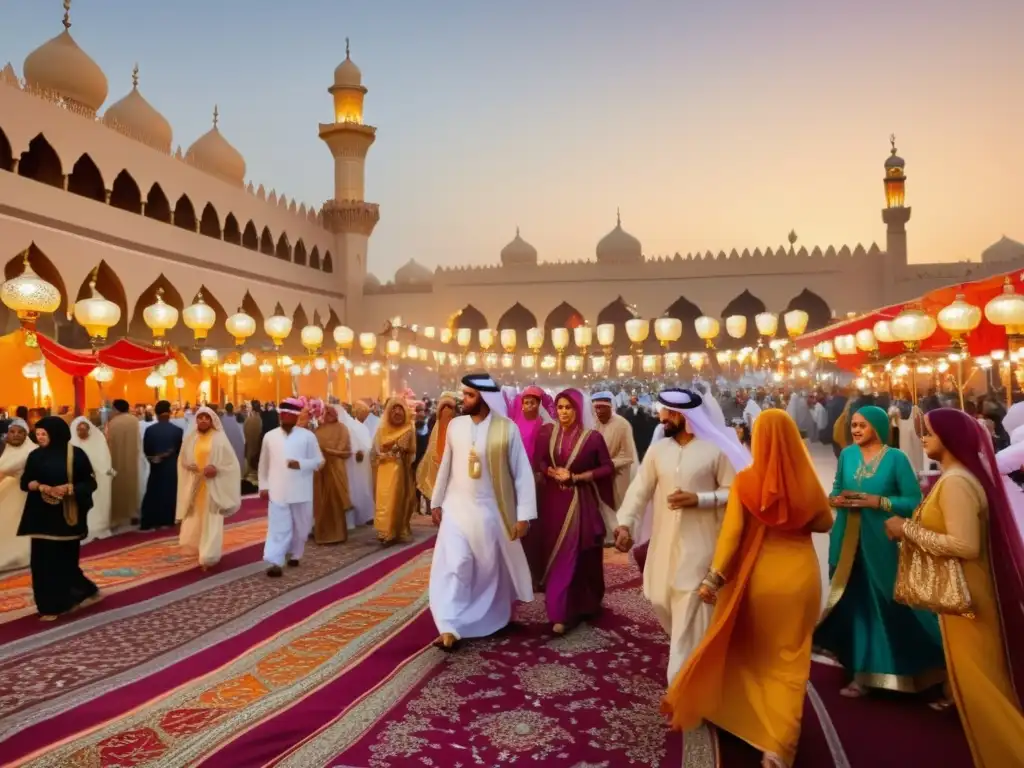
14,550
125,440
618,436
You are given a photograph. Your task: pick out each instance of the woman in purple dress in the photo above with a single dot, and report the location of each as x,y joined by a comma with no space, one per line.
565,546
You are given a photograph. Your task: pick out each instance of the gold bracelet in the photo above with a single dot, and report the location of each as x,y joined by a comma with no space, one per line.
714,579
886,504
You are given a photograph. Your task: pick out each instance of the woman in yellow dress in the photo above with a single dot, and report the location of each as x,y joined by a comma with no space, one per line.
394,450
967,516
749,674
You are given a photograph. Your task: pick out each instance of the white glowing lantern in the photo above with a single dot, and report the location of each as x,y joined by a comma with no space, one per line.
796,322
767,323
278,326
266,368
673,361
668,330
392,348
430,332
649,363
707,328
199,317
573,363
446,335
169,369
463,337
583,335
866,341
96,314
312,337
103,374
883,332
240,326
637,330
344,336
535,338
155,380
624,364
320,364
846,344
160,317
560,338
368,342
606,334
486,336
248,359
736,326
599,363
208,356
34,370
508,339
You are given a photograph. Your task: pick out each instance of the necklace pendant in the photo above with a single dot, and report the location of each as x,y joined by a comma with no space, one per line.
476,468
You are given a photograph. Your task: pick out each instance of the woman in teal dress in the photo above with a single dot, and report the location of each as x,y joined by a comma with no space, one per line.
880,642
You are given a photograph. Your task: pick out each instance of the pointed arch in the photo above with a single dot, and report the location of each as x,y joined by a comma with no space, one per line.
687,312
328,262
125,193
109,285
157,205
819,313
616,313
470,317
42,266
565,315
333,321
251,308
209,223
232,234
250,239
749,306
6,153
267,242
219,338
41,163
283,250
86,180
299,253
314,258
518,318
299,320
185,214
179,335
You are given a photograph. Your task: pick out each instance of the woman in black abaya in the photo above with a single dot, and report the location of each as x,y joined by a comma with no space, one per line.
59,481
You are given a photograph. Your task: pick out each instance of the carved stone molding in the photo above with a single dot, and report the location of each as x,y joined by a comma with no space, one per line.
350,216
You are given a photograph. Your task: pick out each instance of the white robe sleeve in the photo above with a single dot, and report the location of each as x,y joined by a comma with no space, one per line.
522,474
444,472
263,471
314,457
639,494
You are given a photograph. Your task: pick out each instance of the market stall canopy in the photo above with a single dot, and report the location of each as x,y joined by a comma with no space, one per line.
122,355
981,341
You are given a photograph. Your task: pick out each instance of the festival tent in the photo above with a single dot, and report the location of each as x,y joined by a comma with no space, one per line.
981,341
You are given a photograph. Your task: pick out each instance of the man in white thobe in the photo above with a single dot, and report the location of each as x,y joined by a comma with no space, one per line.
288,460
484,497
687,476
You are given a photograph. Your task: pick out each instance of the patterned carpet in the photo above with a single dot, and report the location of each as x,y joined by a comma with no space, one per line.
333,666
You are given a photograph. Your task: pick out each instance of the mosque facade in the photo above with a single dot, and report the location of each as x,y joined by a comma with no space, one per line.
106,196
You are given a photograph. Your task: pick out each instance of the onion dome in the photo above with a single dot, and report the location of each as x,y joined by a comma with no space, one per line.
370,283
347,74
413,273
518,252
138,119
60,66
1006,249
212,153
618,246
894,161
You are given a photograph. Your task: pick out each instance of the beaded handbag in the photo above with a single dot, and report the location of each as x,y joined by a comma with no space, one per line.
931,582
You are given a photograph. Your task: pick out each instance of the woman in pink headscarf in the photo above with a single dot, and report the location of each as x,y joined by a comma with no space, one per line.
565,546
528,410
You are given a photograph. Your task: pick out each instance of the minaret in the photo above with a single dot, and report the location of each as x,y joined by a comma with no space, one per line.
895,214
348,215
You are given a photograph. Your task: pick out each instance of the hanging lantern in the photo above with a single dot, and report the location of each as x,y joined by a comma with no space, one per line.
463,337
535,339
320,364
160,317
103,374
199,318
392,348
637,330
606,334
958,319
344,336
1007,309
248,359
912,326
278,326
155,380
168,369
883,332
866,341
486,336
266,368
707,330
96,314
767,323
208,357
796,322
312,337
846,344
446,335
624,364
29,296
583,335
736,326
668,330
507,337
34,370
240,326
560,339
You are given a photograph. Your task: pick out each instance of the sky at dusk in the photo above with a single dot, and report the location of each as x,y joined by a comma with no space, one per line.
712,126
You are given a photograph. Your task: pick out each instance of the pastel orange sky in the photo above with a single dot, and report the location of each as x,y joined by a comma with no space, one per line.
711,125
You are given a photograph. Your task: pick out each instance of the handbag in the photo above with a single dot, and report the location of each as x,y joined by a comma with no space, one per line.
930,582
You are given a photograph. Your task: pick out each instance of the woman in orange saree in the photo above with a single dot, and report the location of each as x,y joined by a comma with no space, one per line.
749,674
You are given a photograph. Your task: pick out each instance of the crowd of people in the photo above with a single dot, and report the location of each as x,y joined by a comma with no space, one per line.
713,493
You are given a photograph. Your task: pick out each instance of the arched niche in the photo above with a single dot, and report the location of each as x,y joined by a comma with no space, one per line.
819,313
125,193
232,234
6,154
41,163
157,205
518,318
749,306
616,313
250,239
333,321
314,258
185,214
267,242
179,336
563,316
251,308
299,256
109,285
86,180
687,312
470,317
209,222
218,336
48,325
328,262
283,250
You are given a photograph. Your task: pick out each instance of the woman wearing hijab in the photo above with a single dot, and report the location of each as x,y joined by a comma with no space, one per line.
14,550
966,519
531,409
881,643
426,474
58,479
87,437
394,449
566,545
765,585
331,500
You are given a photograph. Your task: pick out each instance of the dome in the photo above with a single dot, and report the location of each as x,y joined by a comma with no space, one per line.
212,153
893,161
370,283
413,274
618,246
1005,249
347,74
139,119
518,252
60,66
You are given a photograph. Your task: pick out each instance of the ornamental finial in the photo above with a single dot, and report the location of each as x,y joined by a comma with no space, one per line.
67,14
216,115
347,50
892,143
135,77
618,217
